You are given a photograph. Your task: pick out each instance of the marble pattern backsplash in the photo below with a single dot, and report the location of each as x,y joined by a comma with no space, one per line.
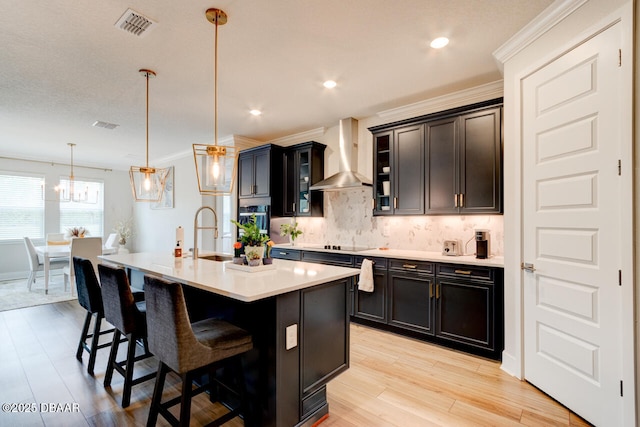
348,220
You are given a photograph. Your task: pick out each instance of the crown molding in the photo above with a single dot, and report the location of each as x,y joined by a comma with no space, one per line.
451,100
305,136
547,19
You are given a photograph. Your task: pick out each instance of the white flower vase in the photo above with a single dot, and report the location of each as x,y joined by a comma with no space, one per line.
123,250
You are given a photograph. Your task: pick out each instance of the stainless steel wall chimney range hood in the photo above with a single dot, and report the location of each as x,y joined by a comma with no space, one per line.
348,176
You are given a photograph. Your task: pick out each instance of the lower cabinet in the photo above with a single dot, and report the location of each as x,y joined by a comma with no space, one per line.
410,302
455,305
372,306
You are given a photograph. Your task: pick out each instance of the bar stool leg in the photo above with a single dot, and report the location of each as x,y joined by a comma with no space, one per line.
94,345
185,403
128,377
83,336
112,358
157,394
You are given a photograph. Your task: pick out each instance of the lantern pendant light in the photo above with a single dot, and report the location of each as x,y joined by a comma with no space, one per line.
215,164
147,183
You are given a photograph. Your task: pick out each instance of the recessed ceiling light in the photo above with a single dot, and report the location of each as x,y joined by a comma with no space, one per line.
439,43
255,112
329,84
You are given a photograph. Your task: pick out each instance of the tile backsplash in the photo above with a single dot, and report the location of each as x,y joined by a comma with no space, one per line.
348,220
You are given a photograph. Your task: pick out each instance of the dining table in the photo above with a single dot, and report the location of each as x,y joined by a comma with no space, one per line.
48,252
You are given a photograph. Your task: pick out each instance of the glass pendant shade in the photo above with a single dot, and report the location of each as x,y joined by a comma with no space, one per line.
147,183
215,164
215,168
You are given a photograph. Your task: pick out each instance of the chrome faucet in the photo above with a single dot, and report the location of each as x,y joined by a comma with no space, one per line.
196,228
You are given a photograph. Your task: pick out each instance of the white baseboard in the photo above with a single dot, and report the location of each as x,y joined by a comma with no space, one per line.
510,365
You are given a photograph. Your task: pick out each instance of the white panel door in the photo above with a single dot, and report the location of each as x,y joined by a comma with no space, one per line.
571,228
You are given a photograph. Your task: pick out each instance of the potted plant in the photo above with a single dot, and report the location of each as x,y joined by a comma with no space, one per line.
251,236
292,231
76,232
267,258
253,257
123,228
237,253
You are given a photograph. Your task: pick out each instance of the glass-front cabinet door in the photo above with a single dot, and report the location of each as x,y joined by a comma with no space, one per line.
382,174
303,181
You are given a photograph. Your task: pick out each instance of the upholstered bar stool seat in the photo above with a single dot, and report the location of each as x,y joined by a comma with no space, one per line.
129,318
189,350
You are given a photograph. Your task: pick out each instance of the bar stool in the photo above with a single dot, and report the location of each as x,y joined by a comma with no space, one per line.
90,298
129,318
189,350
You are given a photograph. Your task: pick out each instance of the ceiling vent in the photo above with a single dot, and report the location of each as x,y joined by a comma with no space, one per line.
135,23
105,125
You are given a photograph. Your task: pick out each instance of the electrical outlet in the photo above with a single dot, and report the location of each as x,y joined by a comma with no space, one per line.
291,336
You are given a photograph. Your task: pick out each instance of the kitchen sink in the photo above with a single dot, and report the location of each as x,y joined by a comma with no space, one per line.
217,257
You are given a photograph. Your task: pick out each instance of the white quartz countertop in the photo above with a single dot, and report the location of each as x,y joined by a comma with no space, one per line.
216,277
494,261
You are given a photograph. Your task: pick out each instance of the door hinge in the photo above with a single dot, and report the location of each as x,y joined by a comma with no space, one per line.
619,277
621,390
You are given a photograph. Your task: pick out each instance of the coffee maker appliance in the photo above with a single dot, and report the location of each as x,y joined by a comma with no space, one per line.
482,244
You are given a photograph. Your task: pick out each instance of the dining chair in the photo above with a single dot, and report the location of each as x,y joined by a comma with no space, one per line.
82,247
111,241
36,265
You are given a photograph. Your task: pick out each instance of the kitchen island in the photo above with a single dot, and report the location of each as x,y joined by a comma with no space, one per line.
297,314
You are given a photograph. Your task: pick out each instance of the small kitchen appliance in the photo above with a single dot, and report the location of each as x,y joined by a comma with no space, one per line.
482,244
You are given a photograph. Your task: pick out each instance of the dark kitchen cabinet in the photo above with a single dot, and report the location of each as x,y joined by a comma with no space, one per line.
444,163
259,175
372,305
399,164
468,308
410,302
463,173
303,166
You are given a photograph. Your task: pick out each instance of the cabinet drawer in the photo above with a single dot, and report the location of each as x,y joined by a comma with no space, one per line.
465,271
417,266
291,254
330,258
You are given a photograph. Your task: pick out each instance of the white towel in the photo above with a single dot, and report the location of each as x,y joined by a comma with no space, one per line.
366,276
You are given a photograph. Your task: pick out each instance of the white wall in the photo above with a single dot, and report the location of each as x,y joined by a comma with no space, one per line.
118,205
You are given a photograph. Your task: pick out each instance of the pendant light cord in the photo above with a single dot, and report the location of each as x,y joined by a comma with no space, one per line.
147,124
215,79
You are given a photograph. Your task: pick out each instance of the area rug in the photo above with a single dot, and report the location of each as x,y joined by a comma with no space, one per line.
14,294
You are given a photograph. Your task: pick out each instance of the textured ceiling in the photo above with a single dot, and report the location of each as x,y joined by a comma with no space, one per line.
64,65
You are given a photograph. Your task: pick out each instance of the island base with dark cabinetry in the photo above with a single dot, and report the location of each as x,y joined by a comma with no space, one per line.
296,314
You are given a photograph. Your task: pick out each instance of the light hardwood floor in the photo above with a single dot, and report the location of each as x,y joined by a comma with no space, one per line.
392,381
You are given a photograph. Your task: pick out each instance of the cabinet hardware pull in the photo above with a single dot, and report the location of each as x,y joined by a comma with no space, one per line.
462,200
411,266
373,204
438,291
283,253
430,290
294,207
455,200
395,203
463,272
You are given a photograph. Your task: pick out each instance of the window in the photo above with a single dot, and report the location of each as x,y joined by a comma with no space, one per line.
21,206
80,214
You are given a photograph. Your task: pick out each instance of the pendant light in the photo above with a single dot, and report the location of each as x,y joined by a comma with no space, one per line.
215,164
147,183
71,191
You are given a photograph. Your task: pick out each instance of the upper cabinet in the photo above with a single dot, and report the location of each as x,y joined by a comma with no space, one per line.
259,175
303,166
444,163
